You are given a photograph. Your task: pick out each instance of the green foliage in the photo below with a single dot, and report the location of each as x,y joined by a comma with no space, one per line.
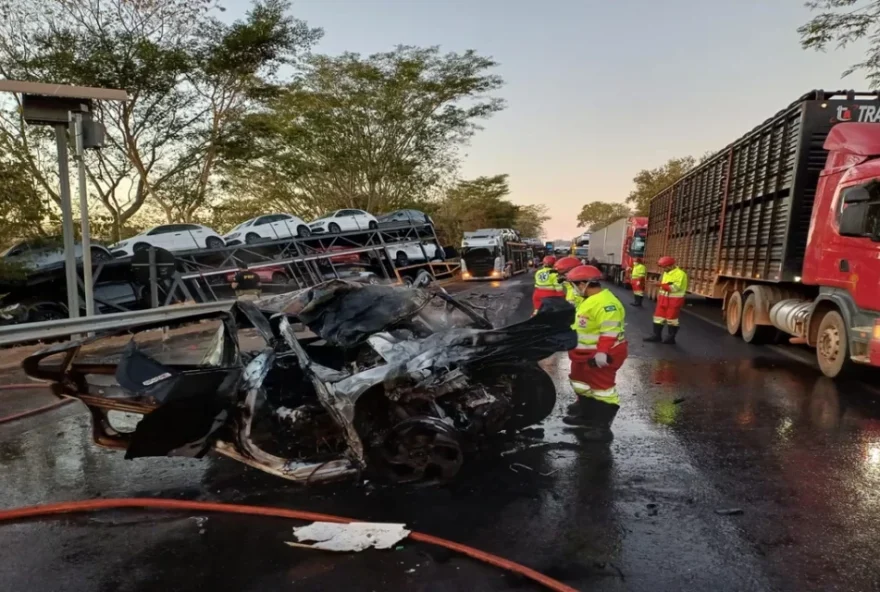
189,77
841,23
481,203
25,214
598,213
530,220
650,182
377,133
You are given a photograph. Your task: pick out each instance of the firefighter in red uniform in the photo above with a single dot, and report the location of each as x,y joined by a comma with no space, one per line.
546,283
600,352
670,300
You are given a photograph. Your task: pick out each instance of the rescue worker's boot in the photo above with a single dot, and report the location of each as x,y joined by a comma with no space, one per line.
670,339
657,337
637,301
593,420
574,408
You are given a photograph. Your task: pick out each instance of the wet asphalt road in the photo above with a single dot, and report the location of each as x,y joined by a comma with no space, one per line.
711,424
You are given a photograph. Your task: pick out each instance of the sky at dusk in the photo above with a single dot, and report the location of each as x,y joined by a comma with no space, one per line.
597,91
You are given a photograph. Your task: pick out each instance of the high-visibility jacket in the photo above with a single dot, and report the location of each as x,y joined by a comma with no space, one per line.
674,283
599,322
547,279
639,271
571,295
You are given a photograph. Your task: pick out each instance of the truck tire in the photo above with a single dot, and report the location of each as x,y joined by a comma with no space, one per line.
832,345
733,313
751,331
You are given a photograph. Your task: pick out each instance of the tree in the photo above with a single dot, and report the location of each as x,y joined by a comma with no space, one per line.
473,204
25,215
530,220
188,75
376,133
843,22
598,213
650,182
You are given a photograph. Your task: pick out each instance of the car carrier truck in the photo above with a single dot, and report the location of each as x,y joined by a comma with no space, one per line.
616,244
492,253
783,225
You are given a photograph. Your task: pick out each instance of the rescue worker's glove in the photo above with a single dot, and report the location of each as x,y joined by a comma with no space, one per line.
666,287
600,360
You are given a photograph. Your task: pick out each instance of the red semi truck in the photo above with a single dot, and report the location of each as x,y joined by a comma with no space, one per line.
616,244
783,225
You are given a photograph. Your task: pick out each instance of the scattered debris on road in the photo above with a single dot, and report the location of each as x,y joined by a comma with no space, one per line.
353,537
729,511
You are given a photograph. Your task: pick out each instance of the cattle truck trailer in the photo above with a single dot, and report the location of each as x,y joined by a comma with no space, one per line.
783,225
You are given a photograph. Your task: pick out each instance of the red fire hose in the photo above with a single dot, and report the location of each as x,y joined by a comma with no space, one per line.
169,504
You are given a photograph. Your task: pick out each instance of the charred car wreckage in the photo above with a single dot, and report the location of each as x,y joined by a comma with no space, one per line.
399,382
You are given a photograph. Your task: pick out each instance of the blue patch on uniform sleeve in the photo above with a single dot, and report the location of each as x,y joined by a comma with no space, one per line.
610,308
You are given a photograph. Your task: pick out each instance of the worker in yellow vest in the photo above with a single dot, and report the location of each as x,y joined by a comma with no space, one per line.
600,352
673,288
637,279
562,267
546,283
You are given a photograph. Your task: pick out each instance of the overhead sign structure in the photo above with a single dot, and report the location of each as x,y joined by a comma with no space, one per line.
69,109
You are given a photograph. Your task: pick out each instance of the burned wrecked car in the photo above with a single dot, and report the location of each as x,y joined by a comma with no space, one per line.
351,378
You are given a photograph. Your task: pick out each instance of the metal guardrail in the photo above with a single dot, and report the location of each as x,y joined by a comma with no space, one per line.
107,322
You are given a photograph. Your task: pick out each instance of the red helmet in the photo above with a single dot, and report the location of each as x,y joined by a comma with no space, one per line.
549,261
584,273
566,264
666,261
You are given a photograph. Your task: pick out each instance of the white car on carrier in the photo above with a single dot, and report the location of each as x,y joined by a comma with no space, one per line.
171,237
270,227
344,221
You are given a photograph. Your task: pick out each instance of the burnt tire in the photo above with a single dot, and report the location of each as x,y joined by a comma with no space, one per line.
752,332
279,278
373,225
303,232
533,395
138,247
251,238
419,449
333,228
214,243
832,346
401,259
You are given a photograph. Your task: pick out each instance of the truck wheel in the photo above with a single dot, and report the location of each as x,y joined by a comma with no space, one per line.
832,345
733,313
751,331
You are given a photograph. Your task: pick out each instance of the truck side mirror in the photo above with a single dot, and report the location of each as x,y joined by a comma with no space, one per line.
854,219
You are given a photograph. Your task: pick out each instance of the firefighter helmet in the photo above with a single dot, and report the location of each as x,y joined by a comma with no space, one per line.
666,261
584,273
549,261
566,264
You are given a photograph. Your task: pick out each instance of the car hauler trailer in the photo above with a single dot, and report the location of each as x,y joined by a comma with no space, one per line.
492,253
616,244
784,226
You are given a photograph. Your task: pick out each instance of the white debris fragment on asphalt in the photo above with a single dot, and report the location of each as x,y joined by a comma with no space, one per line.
356,536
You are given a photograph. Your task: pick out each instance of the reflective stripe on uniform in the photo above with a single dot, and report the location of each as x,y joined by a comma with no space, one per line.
659,320
580,388
586,346
672,322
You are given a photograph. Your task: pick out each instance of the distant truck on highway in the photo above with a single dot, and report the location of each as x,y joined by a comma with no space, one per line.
493,253
616,244
783,225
